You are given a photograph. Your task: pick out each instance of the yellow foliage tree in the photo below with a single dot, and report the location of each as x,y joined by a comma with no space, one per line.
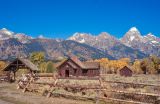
2,65
137,67
112,66
127,60
104,64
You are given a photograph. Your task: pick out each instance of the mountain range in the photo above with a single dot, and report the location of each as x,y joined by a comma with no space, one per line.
85,46
132,44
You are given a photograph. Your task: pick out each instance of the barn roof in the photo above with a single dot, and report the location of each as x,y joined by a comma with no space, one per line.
83,65
128,67
26,62
29,64
91,65
77,61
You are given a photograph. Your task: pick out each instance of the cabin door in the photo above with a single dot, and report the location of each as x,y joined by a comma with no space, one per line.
66,73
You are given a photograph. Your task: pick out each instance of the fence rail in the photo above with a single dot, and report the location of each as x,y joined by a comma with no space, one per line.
155,85
94,98
100,87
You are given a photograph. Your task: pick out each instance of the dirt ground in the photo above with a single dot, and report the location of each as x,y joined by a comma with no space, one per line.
10,95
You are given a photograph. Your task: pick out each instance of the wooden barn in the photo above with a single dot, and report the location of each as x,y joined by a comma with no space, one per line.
74,67
158,69
20,64
126,71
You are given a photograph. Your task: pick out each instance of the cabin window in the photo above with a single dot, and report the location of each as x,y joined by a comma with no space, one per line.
75,71
66,73
84,71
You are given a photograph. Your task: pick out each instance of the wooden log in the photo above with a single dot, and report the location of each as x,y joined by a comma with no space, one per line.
157,101
93,98
45,75
132,83
102,88
28,84
52,88
80,78
125,101
127,92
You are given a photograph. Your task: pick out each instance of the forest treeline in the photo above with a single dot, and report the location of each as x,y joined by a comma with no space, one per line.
149,65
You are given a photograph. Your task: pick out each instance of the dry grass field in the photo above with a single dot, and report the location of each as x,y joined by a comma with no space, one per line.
142,83
10,95
140,78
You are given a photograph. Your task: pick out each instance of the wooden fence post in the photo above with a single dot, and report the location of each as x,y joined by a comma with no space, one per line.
97,96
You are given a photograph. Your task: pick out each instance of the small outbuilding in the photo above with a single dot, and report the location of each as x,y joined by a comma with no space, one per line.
158,69
126,71
20,64
74,67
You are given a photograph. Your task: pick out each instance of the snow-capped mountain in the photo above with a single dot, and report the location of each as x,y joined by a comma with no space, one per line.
102,41
81,37
132,37
87,46
41,37
18,44
23,38
106,42
148,44
152,39
5,34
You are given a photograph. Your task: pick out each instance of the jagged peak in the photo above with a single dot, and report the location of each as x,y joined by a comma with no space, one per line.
22,35
83,36
6,31
133,29
77,35
150,34
104,35
3,29
133,32
80,34
41,36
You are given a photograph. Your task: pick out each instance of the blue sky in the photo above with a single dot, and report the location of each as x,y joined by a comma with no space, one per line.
62,18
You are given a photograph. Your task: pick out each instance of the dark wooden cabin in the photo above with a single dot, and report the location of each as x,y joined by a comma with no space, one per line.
126,71
22,64
158,69
74,67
